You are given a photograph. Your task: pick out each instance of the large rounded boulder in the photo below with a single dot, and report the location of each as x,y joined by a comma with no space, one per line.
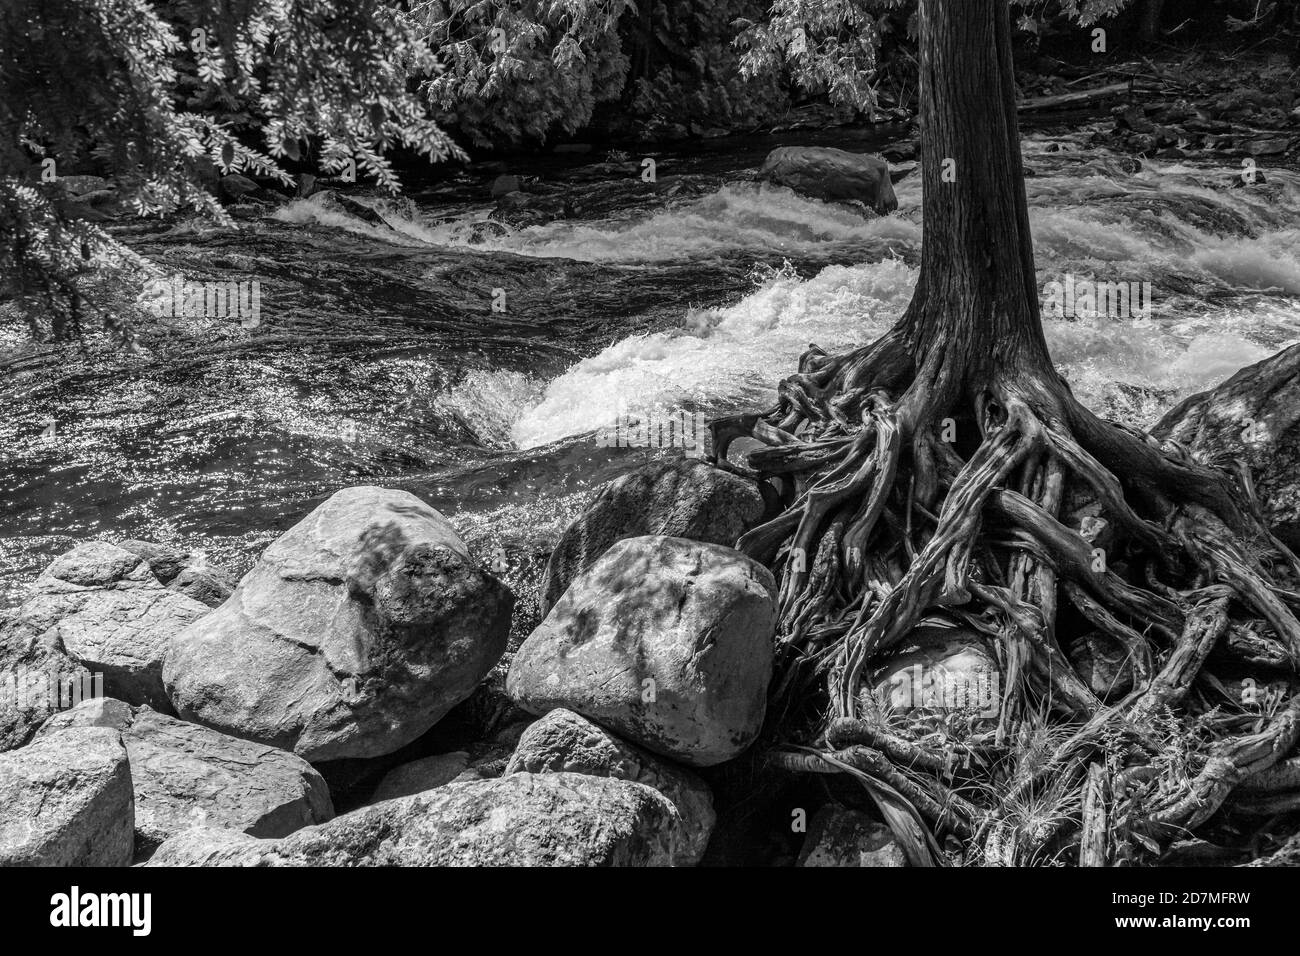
665,641
825,173
358,629
686,498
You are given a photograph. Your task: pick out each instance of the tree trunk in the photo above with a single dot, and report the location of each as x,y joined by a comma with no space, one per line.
890,514
975,309
1149,20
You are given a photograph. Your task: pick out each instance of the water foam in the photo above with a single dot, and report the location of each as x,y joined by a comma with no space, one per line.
1206,249
733,357
723,357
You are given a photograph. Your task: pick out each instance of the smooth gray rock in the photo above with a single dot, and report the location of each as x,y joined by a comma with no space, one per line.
523,819
421,775
668,642
36,677
941,678
185,775
100,609
185,572
1254,416
825,173
565,742
358,629
504,184
65,800
681,499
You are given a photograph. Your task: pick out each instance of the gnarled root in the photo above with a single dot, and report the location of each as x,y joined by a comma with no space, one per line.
909,496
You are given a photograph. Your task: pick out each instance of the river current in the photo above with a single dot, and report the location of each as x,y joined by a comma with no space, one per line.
419,347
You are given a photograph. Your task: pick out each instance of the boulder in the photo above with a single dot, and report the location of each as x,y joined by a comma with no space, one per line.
842,837
1254,416
825,173
524,819
65,800
666,641
421,775
565,742
1103,663
36,678
234,185
357,630
101,608
520,209
184,776
504,184
683,499
1270,146
941,678
186,572
340,202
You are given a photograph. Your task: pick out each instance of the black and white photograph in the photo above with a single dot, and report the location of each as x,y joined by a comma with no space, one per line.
750,434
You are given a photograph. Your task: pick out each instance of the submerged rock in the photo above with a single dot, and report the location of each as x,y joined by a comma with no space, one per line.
184,776
825,173
666,641
65,800
1254,416
358,629
519,209
565,742
681,499
524,819
842,837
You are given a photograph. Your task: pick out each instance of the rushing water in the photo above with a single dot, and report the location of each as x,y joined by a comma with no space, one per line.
380,359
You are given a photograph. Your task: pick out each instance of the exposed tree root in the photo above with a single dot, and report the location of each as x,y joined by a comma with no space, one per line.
1010,510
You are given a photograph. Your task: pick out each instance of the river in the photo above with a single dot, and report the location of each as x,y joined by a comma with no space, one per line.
379,357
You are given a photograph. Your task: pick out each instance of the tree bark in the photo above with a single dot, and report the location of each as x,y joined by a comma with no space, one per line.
1149,20
975,308
895,513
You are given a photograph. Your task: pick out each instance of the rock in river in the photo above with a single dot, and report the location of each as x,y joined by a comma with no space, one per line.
683,499
358,629
665,641
825,173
